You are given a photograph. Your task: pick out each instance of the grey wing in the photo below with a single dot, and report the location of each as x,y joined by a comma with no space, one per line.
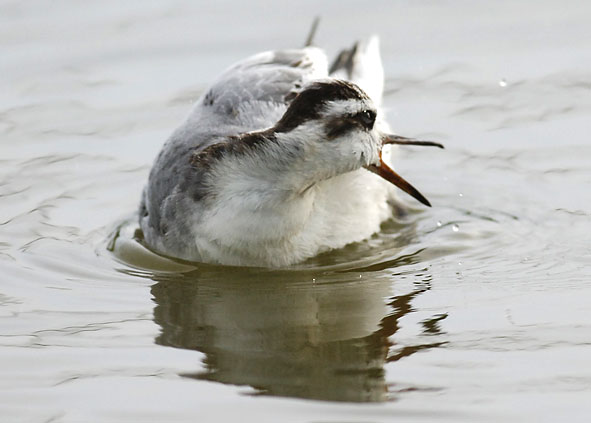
254,93
251,95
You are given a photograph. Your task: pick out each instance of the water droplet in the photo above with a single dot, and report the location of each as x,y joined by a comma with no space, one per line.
460,195
459,263
314,280
502,83
455,228
439,223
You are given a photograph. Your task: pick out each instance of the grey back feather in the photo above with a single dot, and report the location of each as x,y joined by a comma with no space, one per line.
251,95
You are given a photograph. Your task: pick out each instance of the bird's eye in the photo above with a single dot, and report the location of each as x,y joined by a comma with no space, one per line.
366,118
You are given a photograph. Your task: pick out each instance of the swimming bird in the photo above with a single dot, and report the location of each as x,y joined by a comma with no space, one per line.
281,159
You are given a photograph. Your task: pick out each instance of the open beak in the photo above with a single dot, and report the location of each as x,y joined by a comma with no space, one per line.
389,175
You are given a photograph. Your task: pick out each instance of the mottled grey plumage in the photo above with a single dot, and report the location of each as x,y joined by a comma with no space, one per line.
251,95
244,182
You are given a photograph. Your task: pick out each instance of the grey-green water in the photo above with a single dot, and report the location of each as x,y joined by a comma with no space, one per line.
476,309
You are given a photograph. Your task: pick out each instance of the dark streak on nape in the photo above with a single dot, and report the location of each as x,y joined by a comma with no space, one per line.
308,104
339,126
234,146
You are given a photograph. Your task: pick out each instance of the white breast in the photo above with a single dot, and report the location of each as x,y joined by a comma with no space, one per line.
284,231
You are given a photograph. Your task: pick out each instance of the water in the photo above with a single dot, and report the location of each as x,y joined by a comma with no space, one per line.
476,309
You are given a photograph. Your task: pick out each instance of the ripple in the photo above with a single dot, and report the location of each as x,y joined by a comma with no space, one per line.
455,320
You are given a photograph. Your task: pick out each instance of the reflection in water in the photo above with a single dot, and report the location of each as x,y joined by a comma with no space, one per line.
283,336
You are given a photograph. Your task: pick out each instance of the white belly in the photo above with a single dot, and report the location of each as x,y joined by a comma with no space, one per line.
336,212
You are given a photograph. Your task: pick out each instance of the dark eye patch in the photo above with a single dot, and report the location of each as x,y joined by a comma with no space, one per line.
341,125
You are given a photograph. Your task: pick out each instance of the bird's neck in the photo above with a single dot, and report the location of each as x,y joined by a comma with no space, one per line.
275,166
257,195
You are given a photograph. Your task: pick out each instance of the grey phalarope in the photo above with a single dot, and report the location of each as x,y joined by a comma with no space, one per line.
280,160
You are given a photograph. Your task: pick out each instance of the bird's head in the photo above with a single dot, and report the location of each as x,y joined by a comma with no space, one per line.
335,122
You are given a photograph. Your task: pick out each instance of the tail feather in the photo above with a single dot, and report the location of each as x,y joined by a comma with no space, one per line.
344,61
362,65
312,33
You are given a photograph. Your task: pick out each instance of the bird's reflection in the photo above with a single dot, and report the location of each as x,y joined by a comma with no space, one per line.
284,333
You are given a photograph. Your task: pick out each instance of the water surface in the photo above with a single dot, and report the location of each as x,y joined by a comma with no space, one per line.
476,309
